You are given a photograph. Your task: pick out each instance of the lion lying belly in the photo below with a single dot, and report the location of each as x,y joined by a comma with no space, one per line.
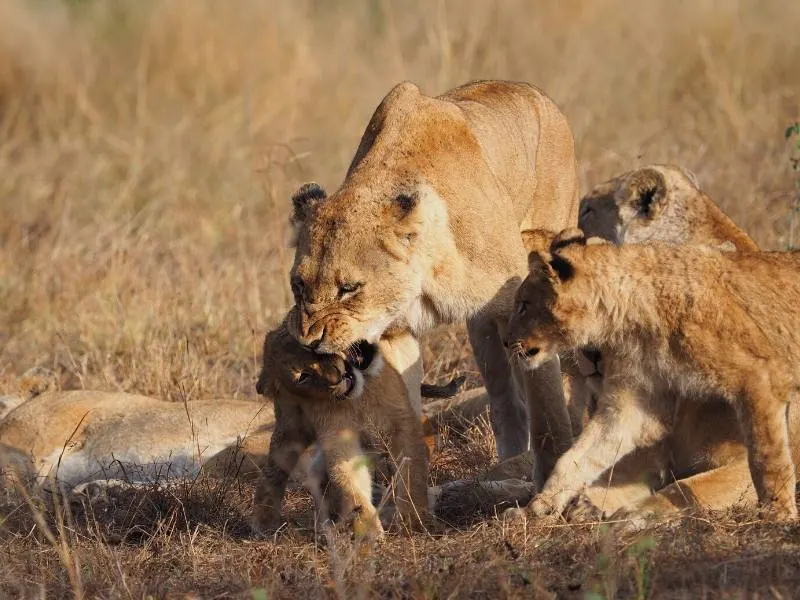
676,318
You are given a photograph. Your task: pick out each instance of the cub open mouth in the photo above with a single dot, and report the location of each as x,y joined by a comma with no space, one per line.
350,381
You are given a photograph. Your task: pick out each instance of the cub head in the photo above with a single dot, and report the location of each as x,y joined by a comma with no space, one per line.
550,302
363,253
642,205
289,366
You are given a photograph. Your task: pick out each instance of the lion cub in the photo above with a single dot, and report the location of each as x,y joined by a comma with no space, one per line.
325,399
693,319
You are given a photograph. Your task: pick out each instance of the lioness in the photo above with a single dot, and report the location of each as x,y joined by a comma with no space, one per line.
425,229
323,398
689,318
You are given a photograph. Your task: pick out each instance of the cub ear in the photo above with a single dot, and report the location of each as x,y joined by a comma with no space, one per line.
537,240
537,262
303,200
553,266
567,237
648,192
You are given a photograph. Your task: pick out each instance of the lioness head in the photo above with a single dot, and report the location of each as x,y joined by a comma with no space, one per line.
545,313
647,204
362,253
290,366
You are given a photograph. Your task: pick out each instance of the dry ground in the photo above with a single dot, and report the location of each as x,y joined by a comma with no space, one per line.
147,152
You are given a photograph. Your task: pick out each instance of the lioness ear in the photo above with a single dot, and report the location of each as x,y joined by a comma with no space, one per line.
303,200
567,237
537,240
648,192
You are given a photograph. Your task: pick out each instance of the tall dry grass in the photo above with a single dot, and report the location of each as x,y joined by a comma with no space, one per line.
148,147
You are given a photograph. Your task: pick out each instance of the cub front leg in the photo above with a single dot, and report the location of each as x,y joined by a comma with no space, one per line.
285,448
348,469
622,424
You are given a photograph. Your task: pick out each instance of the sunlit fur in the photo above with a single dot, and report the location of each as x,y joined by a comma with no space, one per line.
692,319
427,225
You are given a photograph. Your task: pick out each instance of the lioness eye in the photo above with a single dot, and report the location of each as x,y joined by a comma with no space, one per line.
522,308
349,288
303,378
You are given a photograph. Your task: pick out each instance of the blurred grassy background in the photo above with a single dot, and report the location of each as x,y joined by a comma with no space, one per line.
148,148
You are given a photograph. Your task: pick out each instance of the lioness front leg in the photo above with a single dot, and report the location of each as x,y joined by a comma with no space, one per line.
620,425
507,410
348,470
764,424
408,451
285,449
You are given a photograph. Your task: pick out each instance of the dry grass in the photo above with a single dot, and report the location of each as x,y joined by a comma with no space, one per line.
147,152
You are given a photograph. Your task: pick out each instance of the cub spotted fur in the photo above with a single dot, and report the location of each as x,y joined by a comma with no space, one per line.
324,399
688,318
425,230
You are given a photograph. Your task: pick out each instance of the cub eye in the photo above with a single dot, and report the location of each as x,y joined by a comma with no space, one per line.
303,377
522,308
349,288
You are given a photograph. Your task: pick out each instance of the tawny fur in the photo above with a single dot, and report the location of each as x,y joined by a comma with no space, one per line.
81,436
314,403
694,466
662,203
425,228
675,318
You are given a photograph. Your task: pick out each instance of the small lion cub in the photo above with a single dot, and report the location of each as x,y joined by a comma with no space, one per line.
676,318
325,399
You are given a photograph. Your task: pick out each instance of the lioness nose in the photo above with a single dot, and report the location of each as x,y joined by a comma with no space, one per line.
313,334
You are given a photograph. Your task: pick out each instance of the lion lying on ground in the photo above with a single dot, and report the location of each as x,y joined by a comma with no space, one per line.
425,230
674,317
82,437
324,399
